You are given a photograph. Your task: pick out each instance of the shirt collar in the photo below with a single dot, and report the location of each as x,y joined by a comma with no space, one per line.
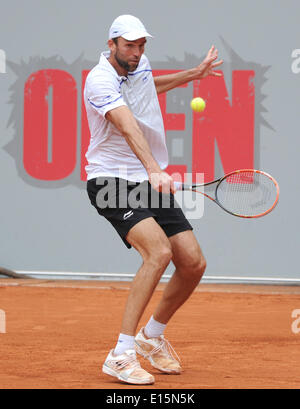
107,65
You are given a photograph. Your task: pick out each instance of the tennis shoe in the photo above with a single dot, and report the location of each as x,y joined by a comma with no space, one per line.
159,352
126,368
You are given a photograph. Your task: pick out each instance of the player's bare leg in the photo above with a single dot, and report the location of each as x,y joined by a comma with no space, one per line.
154,247
150,241
190,266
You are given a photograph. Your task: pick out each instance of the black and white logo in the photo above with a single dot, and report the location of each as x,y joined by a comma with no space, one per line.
128,214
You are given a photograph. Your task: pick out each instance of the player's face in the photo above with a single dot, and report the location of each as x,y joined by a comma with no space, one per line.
128,53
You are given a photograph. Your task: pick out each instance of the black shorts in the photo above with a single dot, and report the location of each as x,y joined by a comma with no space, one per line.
124,204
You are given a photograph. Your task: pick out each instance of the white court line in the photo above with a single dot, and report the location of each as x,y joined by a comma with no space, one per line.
125,277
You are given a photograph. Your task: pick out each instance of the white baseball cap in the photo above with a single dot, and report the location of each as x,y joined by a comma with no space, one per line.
128,27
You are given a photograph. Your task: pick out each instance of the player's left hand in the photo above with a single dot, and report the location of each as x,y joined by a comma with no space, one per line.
208,65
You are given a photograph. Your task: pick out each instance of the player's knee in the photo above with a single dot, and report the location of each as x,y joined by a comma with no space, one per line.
197,268
164,255
201,267
161,257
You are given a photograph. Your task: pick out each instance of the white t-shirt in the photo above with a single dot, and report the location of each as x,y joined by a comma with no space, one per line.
109,154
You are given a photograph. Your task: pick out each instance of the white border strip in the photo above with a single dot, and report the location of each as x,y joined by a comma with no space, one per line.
129,277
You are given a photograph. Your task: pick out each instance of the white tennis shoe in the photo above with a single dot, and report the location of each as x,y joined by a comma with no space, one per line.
127,368
159,352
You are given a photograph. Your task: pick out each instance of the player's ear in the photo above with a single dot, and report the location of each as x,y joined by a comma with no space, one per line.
111,44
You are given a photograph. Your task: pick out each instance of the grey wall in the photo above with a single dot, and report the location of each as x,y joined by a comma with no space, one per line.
52,227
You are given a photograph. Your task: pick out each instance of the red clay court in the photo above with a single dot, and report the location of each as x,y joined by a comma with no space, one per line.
58,334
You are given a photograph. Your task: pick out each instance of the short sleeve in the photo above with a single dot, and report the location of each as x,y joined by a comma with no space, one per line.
103,95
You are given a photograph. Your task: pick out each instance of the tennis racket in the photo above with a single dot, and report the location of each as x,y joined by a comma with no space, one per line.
246,193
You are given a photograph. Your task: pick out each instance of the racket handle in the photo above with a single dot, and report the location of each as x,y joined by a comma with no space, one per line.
182,186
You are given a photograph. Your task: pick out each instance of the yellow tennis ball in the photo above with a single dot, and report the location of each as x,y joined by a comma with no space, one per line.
198,104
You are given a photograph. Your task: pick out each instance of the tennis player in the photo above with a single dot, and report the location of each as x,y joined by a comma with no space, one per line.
127,152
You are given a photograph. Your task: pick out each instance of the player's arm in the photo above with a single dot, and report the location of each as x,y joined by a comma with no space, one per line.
123,119
167,82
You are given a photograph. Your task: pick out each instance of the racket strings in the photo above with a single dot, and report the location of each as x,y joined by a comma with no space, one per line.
247,193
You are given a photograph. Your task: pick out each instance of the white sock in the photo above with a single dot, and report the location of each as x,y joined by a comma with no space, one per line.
124,343
154,328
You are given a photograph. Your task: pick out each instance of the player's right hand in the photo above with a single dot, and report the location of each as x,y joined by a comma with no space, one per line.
162,182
